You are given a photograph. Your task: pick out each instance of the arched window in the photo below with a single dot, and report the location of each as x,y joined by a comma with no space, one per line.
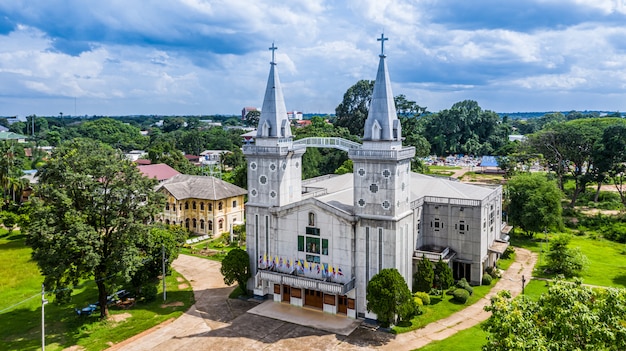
221,224
167,206
187,223
311,219
193,223
186,205
202,206
210,206
202,224
180,206
167,221
219,206
193,205
210,225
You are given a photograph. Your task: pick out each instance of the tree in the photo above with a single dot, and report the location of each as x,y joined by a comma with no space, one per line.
533,203
443,275
563,260
252,118
9,220
90,218
570,147
424,277
353,109
236,268
114,133
162,243
610,157
465,128
569,316
388,296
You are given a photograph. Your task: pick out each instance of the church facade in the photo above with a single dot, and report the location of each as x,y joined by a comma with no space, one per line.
318,242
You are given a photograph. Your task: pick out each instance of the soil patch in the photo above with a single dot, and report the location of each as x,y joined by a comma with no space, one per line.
119,317
172,304
74,348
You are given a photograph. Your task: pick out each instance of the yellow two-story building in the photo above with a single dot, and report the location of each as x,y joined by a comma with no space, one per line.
203,204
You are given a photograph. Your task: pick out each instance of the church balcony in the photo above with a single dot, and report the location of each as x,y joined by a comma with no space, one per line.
306,283
270,150
434,253
390,155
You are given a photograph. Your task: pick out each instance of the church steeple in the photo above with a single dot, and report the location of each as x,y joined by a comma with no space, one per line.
273,122
382,122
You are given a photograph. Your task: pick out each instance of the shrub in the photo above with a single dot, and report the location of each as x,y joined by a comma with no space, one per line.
508,252
423,296
493,272
487,279
460,295
418,301
463,284
450,290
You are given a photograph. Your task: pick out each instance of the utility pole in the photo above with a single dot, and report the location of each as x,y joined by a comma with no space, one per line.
163,253
43,323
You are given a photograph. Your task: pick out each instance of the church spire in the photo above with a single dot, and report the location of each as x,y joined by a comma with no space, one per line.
273,122
382,122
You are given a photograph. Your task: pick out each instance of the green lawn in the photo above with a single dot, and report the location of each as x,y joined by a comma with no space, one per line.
607,259
20,307
441,307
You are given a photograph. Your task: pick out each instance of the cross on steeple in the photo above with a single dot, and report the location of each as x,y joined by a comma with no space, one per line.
273,48
382,44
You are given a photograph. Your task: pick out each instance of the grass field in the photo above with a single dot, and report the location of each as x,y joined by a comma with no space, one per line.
607,259
20,307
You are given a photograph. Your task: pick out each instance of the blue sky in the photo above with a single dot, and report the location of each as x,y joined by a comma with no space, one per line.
120,57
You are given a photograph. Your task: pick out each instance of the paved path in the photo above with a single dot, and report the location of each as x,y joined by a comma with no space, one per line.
218,323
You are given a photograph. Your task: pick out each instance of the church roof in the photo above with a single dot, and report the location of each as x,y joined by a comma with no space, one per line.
382,117
273,122
340,193
184,186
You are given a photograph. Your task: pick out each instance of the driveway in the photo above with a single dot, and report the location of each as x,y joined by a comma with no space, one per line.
216,322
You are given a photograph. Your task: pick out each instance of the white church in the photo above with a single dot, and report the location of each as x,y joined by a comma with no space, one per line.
317,242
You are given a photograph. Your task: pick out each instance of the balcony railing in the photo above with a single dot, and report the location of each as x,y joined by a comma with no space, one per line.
306,283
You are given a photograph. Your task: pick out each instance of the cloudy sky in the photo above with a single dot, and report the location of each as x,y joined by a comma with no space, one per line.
120,57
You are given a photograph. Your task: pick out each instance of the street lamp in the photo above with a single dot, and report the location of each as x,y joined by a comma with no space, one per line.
43,323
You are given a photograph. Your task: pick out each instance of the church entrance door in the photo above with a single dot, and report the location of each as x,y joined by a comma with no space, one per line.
286,293
314,298
342,307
